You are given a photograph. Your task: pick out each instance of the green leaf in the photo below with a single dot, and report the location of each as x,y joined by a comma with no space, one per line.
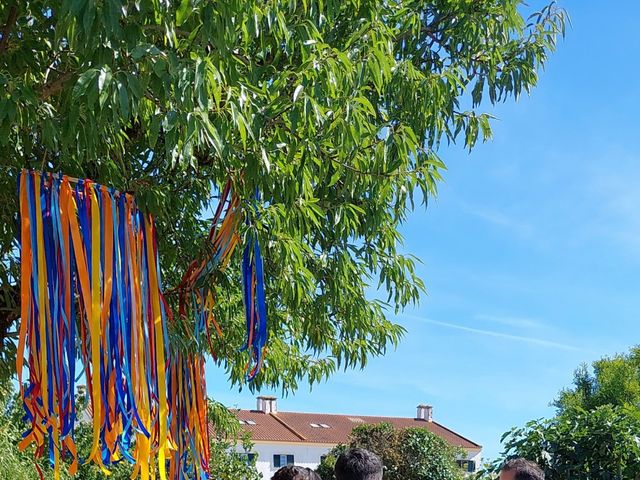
123,98
183,12
265,160
83,83
104,82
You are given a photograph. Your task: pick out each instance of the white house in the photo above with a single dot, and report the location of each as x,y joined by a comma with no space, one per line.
282,438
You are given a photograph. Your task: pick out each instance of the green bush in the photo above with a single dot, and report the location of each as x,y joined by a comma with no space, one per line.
407,454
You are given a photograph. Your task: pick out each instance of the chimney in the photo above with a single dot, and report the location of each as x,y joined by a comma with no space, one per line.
267,404
425,413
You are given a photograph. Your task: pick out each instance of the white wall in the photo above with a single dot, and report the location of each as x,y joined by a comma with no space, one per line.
474,455
304,455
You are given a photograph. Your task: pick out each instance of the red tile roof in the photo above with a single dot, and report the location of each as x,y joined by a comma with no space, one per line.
267,427
293,427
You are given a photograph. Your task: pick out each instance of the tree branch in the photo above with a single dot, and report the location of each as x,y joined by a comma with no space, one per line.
50,89
11,21
9,309
163,30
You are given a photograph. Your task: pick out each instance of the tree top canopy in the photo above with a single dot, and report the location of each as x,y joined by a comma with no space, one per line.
333,109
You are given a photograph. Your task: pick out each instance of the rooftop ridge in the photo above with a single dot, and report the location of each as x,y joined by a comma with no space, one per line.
300,426
325,413
288,427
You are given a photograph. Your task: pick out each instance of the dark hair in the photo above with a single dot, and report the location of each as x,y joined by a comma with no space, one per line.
523,469
358,464
291,472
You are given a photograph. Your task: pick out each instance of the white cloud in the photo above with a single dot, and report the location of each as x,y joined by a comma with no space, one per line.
614,197
493,333
517,322
498,218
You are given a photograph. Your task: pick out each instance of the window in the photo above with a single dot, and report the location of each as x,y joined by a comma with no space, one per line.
319,425
248,458
467,465
282,460
250,422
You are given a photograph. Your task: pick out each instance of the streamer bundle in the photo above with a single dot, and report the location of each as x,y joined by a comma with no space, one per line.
92,244
187,386
90,277
189,424
197,296
254,301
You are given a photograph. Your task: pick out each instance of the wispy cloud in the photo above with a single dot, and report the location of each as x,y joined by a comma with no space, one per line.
516,322
493,333
614,198
498,218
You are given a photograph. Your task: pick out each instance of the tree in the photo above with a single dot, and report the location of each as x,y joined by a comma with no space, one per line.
225,461
407,454
612,381
595,434
601,444
328,462
334,110
226,464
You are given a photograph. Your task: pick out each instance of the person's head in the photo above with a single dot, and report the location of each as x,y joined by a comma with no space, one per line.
291,472
358,464
521,469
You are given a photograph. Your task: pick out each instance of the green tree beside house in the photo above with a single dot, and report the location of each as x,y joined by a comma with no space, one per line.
406,453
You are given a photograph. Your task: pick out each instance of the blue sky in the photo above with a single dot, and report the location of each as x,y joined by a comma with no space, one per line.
531,252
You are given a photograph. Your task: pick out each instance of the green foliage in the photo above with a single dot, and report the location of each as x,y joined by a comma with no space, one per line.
601,444
427,457
612,381
13,464
334,109
326,467
596,432
407,454
226,464
84,438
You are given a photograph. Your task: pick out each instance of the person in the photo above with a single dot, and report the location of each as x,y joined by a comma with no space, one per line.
358,464
292,472
521,469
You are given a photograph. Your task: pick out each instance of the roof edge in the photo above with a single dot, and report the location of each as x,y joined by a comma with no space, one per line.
457,434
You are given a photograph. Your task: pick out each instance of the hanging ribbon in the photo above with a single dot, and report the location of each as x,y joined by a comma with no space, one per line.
254,300
187,385
91,243
189,424
196,295
91,277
